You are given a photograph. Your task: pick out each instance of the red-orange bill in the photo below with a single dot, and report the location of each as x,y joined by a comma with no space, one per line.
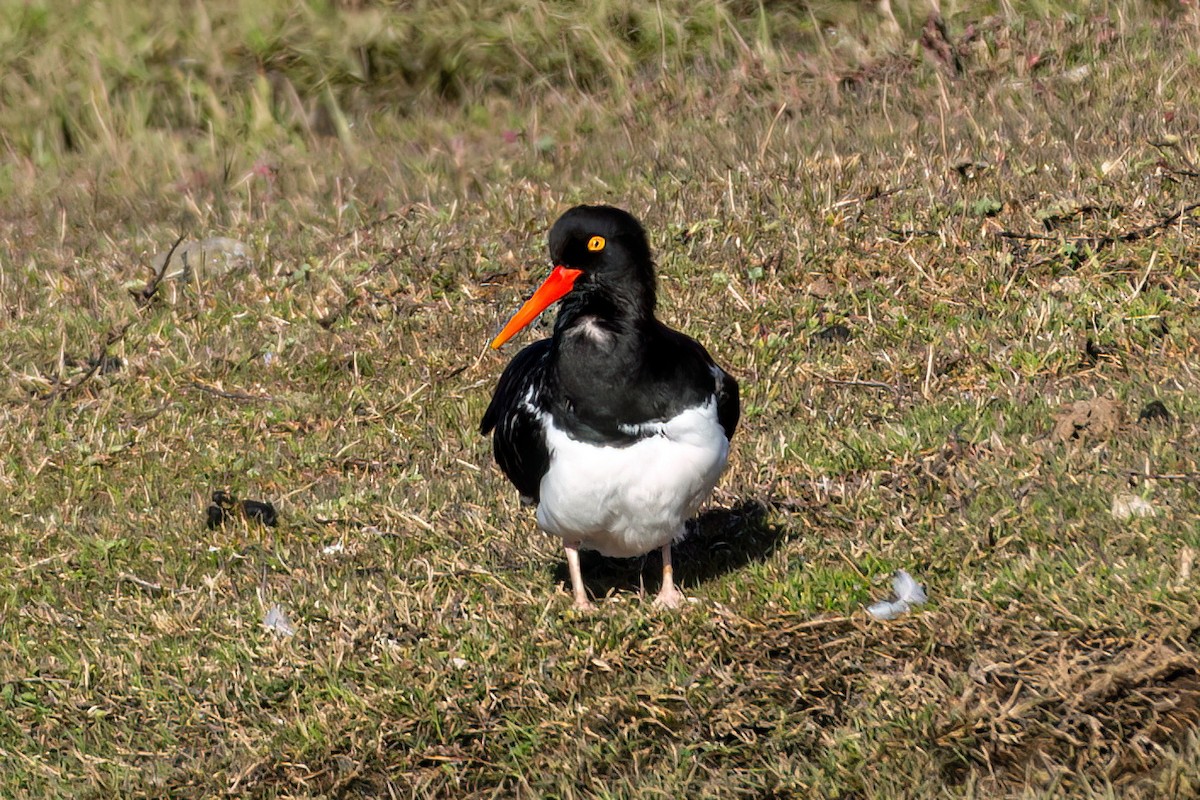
559,282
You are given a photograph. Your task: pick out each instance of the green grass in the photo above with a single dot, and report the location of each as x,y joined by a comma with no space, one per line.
395,169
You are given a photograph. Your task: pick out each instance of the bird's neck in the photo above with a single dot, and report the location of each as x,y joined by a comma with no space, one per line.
597,364
599,345
620,313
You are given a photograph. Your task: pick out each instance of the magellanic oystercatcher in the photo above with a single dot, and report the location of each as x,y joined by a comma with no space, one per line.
617,426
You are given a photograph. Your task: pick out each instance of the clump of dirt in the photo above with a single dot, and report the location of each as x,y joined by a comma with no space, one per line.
1154,411
1098,418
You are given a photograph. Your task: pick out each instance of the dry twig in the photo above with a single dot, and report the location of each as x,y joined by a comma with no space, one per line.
146,294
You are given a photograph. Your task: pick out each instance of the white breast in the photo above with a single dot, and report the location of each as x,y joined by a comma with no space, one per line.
627,501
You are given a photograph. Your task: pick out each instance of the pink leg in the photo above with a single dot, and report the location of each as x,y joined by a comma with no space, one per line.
668,595
581,598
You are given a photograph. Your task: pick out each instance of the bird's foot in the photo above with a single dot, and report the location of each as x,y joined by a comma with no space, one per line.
584,606
669,597
581,599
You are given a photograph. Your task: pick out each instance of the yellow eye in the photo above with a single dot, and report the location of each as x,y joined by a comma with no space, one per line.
596,243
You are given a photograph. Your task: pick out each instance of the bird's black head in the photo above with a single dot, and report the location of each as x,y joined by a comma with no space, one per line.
609,247
602,270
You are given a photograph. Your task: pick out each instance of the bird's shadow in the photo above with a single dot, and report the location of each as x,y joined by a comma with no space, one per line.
718,542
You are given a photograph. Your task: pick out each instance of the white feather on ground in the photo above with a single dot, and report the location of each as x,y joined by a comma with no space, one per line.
277,621
909,593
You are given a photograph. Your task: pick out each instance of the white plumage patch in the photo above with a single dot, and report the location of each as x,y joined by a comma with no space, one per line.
627,501
590,328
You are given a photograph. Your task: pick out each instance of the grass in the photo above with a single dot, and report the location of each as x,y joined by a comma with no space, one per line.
997,242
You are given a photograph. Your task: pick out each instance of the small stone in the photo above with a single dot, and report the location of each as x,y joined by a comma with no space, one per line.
260,511
225,507
1067,286
832,334
822,288
204,259
1128,506
1077,74
1154,411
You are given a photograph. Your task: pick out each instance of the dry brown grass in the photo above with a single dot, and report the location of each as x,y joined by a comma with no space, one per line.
996,245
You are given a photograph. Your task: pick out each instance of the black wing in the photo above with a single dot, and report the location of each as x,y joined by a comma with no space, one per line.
519,442
688,377
729,407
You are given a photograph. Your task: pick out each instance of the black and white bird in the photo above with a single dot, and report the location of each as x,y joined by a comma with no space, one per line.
617,426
